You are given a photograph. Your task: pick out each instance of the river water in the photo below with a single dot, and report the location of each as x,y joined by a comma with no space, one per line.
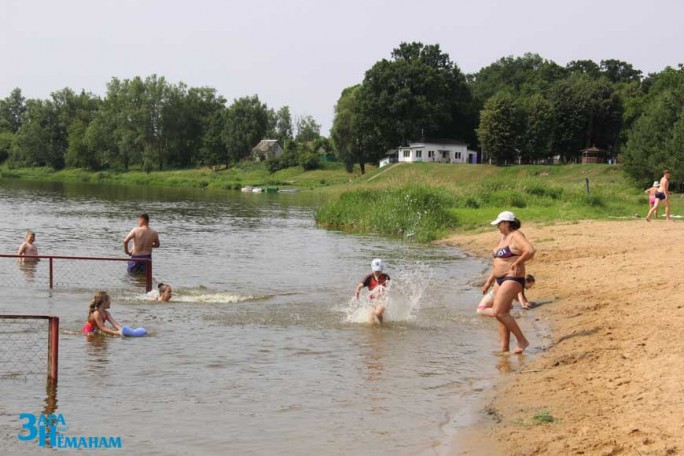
262,351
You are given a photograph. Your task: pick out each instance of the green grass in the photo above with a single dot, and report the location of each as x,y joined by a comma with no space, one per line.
420,201
414,211
234,178
542,417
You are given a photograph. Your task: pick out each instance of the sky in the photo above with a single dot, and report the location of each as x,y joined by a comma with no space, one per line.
303,53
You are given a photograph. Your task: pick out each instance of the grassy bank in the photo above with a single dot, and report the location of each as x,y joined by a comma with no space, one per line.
420,201
234,178
465,197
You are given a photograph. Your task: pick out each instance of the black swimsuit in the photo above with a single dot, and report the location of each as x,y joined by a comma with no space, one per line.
520,280
505,252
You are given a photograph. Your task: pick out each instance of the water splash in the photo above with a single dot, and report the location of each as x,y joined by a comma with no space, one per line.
402,297
201,295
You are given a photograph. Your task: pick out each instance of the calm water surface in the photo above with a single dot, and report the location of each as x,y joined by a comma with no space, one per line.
261,351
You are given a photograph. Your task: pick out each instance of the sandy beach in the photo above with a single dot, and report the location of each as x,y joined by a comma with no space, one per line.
611,376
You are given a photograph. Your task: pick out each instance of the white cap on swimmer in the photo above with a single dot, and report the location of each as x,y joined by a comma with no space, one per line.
377,265
505,216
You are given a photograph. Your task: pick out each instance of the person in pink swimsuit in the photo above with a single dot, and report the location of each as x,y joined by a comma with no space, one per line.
98,315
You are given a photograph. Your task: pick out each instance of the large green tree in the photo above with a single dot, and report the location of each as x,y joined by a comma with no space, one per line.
500,128
348,135
418,93
588,112
12,111
656,140
246,123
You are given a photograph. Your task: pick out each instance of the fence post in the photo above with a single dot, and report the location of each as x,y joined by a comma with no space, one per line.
148,277
51,276
53,349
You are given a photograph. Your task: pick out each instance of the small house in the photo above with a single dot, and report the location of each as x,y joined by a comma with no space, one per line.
439,151
266,149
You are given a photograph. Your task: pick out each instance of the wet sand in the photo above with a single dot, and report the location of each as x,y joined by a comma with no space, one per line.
612,375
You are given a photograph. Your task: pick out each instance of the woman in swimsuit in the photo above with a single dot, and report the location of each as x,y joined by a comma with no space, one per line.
98,315
508,270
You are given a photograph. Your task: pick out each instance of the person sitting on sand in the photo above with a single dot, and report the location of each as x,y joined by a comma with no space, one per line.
487,301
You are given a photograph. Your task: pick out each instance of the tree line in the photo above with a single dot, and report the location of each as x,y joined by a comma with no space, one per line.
145,123
518,109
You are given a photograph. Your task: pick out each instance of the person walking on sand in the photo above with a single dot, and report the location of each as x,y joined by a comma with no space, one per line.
662,196
144,240
376,282
508,270
651,196
28,247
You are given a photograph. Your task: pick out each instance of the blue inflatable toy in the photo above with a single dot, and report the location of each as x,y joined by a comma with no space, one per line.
130,332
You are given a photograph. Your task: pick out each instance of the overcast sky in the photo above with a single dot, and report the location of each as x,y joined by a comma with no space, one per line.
303,53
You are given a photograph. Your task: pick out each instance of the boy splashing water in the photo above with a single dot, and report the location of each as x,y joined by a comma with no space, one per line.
376,282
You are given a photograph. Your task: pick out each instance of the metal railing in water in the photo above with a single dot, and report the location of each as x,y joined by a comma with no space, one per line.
24,341
28,264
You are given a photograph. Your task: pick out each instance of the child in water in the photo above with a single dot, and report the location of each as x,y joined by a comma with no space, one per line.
164,293
98,315
376,282
28,247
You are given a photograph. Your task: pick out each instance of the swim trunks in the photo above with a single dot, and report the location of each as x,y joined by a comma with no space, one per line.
651,200
138,267
660,195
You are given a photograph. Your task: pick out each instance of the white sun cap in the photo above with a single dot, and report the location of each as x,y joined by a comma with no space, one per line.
377,265
505,216
656,184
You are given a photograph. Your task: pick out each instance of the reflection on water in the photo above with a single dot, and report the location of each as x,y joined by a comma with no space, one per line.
28,268
258,352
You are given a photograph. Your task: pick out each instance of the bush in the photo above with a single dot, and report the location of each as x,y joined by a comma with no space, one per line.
309,161
416,212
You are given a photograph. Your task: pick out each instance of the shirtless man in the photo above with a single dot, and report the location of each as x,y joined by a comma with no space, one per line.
662,195
144,240
28,247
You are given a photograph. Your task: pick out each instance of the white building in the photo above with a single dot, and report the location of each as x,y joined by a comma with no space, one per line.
437,151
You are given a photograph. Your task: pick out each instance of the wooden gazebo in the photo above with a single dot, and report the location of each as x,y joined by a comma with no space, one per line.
594,155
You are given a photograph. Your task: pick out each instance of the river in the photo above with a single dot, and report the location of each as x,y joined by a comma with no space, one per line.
262,350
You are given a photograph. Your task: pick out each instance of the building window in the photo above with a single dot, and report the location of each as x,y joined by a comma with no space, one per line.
431,154
407,153
445,154
457,155
419,154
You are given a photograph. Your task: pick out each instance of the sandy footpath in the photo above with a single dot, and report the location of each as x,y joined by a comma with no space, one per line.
612,373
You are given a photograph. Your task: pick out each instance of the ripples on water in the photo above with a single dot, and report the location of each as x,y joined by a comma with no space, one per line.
261,350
